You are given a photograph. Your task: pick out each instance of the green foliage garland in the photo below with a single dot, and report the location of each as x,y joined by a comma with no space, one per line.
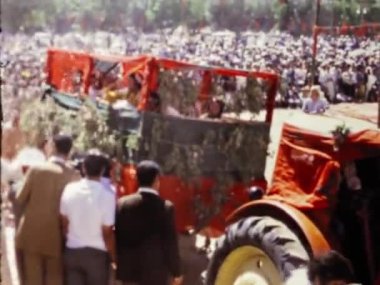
340,135
237,152
41,120
179,90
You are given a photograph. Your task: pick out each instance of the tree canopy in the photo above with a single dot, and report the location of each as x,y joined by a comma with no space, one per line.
61,15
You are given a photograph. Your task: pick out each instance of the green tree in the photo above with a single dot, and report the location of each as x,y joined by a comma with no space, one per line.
23,14
234,14
199,10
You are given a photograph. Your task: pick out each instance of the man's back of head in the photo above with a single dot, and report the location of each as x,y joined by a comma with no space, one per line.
63,144
147,173
330,269
93,166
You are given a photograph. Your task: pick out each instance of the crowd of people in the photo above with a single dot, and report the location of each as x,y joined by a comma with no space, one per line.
135,236
347,66
80,233
348,69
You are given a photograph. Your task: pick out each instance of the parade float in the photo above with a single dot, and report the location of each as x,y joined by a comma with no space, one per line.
323,195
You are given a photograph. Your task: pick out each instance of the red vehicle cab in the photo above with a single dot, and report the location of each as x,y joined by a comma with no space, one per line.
71,72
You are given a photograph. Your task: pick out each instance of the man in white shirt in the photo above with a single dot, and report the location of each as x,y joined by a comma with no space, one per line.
87,211
330,268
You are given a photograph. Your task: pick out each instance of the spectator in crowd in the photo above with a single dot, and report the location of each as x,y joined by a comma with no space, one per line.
326,79
371,86
38,236
146,238
338,58
105,179
361,79
315,104
12,138
330,269
349,81
87,211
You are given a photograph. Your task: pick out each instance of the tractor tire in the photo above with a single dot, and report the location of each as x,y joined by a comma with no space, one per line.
256,250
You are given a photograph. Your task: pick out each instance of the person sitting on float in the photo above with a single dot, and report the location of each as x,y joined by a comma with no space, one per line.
77,82
214,109
95,89
109,89
134,88
118,91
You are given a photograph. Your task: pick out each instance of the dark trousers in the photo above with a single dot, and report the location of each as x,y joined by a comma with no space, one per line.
86,266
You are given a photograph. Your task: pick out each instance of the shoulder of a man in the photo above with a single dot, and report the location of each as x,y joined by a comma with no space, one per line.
107,194
129,200
299,277
44,167
50,167
169,205
68,196
69,169
71,173
169,208
71,187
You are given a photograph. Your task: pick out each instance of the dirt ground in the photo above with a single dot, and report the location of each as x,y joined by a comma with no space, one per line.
193,261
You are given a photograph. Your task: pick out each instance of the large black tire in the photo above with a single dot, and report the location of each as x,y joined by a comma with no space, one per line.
269,235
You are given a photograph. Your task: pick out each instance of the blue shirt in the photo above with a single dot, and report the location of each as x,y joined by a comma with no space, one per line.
315,107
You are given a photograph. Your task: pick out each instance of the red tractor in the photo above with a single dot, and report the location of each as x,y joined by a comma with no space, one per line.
325,189
324,195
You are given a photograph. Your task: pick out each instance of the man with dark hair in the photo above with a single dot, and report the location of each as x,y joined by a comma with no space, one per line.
87,213
146,238
63,144
330,269
38,236
154,102
105,180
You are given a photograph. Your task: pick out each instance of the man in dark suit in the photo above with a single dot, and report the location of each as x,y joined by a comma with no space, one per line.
146,238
